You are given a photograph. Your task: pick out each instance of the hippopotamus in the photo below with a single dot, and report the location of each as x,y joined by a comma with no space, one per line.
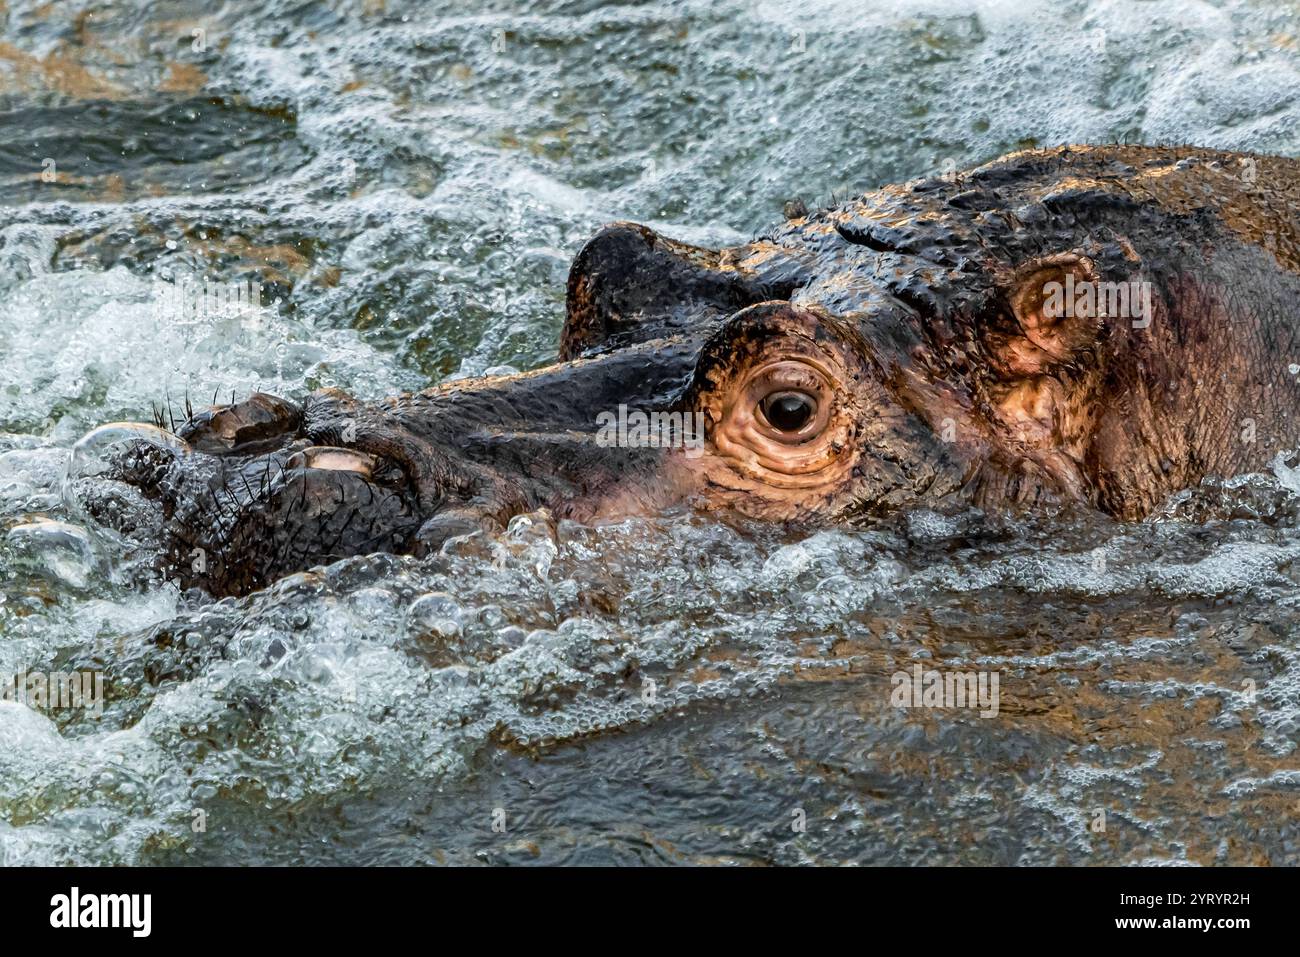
1092,326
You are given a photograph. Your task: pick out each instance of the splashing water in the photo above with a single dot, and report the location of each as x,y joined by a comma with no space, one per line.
408,184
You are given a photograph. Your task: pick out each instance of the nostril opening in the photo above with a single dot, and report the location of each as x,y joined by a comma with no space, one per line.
258,424
333,459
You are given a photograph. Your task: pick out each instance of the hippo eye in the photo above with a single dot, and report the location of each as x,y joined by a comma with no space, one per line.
788,411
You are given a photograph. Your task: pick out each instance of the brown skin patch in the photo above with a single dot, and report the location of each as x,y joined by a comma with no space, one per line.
183,78
59,71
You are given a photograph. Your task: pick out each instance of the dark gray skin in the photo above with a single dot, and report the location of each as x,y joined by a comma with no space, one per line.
895,350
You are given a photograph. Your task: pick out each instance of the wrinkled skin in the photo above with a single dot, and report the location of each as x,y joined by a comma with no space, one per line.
891,351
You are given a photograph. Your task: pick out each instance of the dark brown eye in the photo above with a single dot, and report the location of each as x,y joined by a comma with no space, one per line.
788,411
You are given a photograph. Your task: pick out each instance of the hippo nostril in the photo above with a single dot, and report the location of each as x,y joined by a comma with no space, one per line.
259,423
334,459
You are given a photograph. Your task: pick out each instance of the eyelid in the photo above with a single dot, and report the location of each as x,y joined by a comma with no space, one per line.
790,377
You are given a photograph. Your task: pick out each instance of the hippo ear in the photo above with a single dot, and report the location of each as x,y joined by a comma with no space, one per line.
1055,303
628,284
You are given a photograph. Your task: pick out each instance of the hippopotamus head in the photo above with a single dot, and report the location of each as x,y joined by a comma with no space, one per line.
1077,325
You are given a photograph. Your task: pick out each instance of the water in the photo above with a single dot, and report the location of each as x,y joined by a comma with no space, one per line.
408,182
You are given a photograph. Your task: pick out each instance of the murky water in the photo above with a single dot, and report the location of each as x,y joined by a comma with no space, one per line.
408,182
